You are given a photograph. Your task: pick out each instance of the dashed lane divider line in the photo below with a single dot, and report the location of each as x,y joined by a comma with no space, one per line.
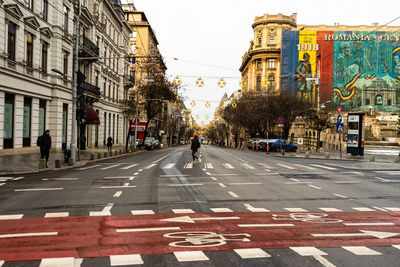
233,194
117,194
90,167
39,189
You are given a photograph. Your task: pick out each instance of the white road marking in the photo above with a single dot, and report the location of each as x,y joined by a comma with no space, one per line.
109,167
339,195
208,166
358,173
247,166
221,185
396,246
304,166
117,194
169,166
131,178
251,253
150,166
258,210
330,209
142,212
188,166
208,173
11,217
140,170
39,189
2,184
359,250
286,166
174,175
183,256
267,225
165,156
176,185
244,183
116,177
228,166
61,179
391,181
117,187
126,184
178,211
63,262
362,209
233,194
323,261
313,186
308,251
147,229
90,167
119,260
221,210
128,167
324,167
369,224
1,263
267,170
28,234
296,210
298,182
347,182
136,173
18,178
381,209
390,172
213,178
295,180
56,214
392,209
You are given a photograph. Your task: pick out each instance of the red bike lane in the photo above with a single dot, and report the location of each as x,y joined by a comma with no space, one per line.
85,237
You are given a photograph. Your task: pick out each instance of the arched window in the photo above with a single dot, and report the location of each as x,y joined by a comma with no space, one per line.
271,82
379,100
367,102
389,102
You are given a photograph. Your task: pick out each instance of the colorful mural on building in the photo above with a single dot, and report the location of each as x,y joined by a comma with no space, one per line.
357,70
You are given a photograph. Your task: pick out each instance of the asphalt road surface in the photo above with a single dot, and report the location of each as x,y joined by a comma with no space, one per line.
232,208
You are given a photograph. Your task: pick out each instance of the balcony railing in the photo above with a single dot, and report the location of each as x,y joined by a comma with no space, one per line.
87,48
90,89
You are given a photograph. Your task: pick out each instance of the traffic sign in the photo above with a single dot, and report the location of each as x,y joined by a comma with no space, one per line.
339,127
281,120
339,119
339,109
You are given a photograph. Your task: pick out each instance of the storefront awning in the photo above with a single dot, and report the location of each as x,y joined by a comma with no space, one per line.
91,116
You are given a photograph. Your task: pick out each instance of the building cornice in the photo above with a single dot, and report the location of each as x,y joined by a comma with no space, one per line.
267,52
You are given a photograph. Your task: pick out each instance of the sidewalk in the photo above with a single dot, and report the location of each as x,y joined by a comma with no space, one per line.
29,163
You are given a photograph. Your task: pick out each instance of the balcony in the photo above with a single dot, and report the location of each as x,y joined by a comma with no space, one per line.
88,49
89,90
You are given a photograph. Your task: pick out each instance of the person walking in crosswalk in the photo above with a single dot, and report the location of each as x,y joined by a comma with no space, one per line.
195,147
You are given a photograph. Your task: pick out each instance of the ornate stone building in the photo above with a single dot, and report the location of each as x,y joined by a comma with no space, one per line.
36,58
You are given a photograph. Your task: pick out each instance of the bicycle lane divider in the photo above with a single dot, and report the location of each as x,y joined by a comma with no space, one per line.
168,233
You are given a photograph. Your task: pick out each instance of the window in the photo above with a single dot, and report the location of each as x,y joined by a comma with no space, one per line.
271,63
271,82
97,78
44,56
109,89
259,40
45,9
367,102
272,40
258,62
29,4
26,130
65,63
64,126
258,84
379,100
12,28
389,102
29,50
104,86
66,17
42,116
8,141
105,128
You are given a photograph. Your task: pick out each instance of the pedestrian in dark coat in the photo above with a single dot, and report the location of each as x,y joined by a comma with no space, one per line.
195,146
109,143
44,141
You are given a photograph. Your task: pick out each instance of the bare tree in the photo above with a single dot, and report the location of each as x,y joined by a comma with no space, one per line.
318,122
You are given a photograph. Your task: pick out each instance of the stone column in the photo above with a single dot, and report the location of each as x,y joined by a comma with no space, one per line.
18,120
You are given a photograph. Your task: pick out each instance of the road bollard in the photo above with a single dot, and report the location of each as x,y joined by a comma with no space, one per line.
348,156
115,153
372,158
326,155
91,156
105,154
307,154
71,162
57,163
396,159
98,155
267,148
42,163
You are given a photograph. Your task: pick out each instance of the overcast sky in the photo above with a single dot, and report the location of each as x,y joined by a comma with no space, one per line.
207,33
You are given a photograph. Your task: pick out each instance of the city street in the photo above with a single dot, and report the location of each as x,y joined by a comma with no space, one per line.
232,208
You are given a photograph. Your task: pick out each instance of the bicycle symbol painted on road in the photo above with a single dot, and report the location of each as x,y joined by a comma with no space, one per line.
306,217
204,239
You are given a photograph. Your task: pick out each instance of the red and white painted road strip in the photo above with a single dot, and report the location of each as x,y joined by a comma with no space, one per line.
56,214
11,217
104,236
359,250
251,253
185,256
121,260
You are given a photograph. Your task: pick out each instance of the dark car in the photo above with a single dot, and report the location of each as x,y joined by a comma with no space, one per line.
251,141
262,144
150,143
281,144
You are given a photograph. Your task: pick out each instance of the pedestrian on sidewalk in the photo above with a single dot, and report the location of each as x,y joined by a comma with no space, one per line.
195,146
44,141
110,142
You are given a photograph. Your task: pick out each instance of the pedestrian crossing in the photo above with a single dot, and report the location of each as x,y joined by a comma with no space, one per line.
212,166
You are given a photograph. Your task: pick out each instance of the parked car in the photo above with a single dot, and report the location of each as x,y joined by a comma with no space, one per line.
262,144
281,144
251,141
157,143
150,143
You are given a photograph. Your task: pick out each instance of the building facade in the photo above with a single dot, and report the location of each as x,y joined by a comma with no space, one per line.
36,68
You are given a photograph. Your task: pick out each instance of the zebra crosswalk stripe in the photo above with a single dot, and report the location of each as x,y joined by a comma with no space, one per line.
188,166
208,166
247,166
228,166
169,166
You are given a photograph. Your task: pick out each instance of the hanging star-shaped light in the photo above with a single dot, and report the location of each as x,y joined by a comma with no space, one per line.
177,80
221,83
200,82
207,105
192,103
234,105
